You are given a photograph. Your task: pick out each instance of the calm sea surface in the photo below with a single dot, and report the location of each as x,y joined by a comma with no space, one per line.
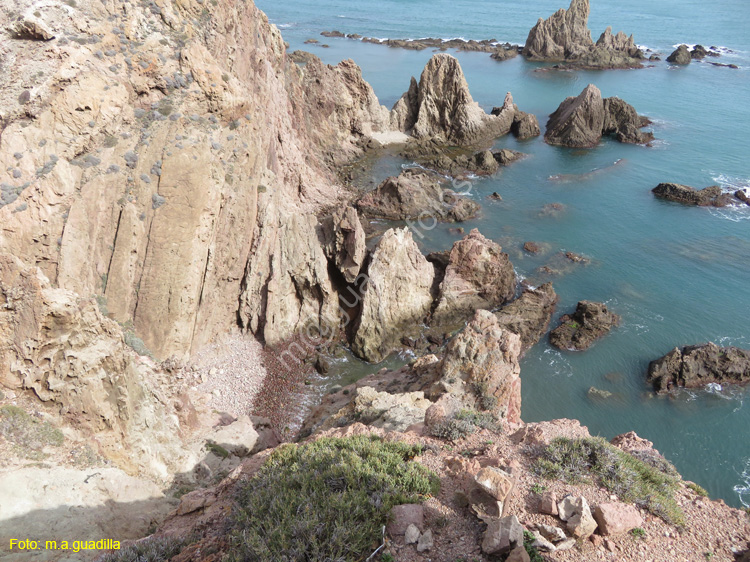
676,275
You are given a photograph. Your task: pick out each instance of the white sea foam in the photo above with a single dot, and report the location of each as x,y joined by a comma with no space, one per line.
743,490
557,362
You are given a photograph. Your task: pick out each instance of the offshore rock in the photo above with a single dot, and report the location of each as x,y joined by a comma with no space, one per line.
681,55
579,331
622,121
396,294
699,365
529,315
415,194
479,275
712,196
441,107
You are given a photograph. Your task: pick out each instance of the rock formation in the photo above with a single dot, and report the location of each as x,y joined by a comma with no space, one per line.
529,315
581,121
579,331
396,294
565,37
416,194
345,242
712,196
478,275
698,365
681,55
440,107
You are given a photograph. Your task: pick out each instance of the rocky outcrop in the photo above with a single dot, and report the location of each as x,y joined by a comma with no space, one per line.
31,27
529,315
60,347
581,121
712,196
565,37
479,275
525,126
481,368
345,242
416,194
395,412
681,55
698,365
441,107
579,331
396,294
504,53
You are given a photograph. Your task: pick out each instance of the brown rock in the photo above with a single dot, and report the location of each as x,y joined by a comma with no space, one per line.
402,516
502,535
548,503
495,482
579,331
712,196
345,242
579,121
30,27
518,554
479,275
616,518
529,315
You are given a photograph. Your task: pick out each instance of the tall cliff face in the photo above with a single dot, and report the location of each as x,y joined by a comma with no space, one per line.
156,155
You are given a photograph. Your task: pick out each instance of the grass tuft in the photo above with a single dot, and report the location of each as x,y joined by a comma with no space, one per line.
594,460
28,435
463,424
159,549
325,500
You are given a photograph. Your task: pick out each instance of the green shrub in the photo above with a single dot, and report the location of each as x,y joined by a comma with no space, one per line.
538,488
528,541
463,424
594,460
325,500
28,434
149,550
638,533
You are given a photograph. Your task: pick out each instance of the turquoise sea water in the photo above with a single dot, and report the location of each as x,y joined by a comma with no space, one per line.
676,275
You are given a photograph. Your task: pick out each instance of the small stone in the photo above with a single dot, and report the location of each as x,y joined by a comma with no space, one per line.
609,545
412,534
567,544
551,533
425,541
548,503
541,543
518,554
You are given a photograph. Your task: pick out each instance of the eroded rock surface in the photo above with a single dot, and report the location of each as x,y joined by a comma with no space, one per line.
698,365
712,196
529,315
579,331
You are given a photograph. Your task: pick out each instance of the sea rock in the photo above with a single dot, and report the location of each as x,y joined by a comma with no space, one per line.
698,365
481,368
699,52
622,120
30,27
396,294
238,438
712,196
616,518
503,53
441,107
581,121
565,37
394,412
450,160
345,242
506,156
502,535
479,275
599,394
416,194
681,55
529,315
578,331
525,126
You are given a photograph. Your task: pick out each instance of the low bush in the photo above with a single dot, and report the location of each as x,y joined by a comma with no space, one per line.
463,424
594,460
325,500
159,549
28,435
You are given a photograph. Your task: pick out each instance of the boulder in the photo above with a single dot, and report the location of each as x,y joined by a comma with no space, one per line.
581,121
518,554
525,126
698,365
699,52
681,55
415,194
403,516
411,535
395,294
578,331
529,315
502,535
551,533
712,196
616,518
479,275
238,438
425,541
503,53
30,27
495,482
481,368
345,242
506,156
394,412
548,503
577,514
440,107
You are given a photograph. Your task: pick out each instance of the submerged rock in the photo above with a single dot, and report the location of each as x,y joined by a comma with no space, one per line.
578,331
580,122
478,275
699,365
712,196
529,315
396,294
415,194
